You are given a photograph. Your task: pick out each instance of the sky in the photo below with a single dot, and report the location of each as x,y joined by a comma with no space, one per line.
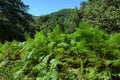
42,7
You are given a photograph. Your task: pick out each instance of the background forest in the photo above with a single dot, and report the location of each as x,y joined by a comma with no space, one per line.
70,44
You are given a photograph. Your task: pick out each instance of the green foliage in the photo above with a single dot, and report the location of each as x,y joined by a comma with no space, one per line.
104,13
10,60
65,48
67,19
14,11
14,20
88,53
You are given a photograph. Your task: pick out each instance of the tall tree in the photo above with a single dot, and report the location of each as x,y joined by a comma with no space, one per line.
14,19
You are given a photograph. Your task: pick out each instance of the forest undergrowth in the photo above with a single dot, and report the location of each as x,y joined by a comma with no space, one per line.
87,54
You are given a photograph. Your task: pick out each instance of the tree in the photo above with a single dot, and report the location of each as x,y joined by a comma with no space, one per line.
14,19
105,13
49,22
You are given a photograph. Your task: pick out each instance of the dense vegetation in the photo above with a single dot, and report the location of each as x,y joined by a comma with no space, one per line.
71,44
104,13
14,20
88,53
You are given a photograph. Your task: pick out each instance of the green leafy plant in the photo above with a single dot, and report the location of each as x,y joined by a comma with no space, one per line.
88,53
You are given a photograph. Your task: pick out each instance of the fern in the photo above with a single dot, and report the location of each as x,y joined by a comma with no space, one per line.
87,54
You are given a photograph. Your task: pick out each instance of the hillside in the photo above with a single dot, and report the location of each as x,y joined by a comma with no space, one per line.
49,21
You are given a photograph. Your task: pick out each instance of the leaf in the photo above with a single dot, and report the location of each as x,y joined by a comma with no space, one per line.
31,54
62,44
3,63
17,74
